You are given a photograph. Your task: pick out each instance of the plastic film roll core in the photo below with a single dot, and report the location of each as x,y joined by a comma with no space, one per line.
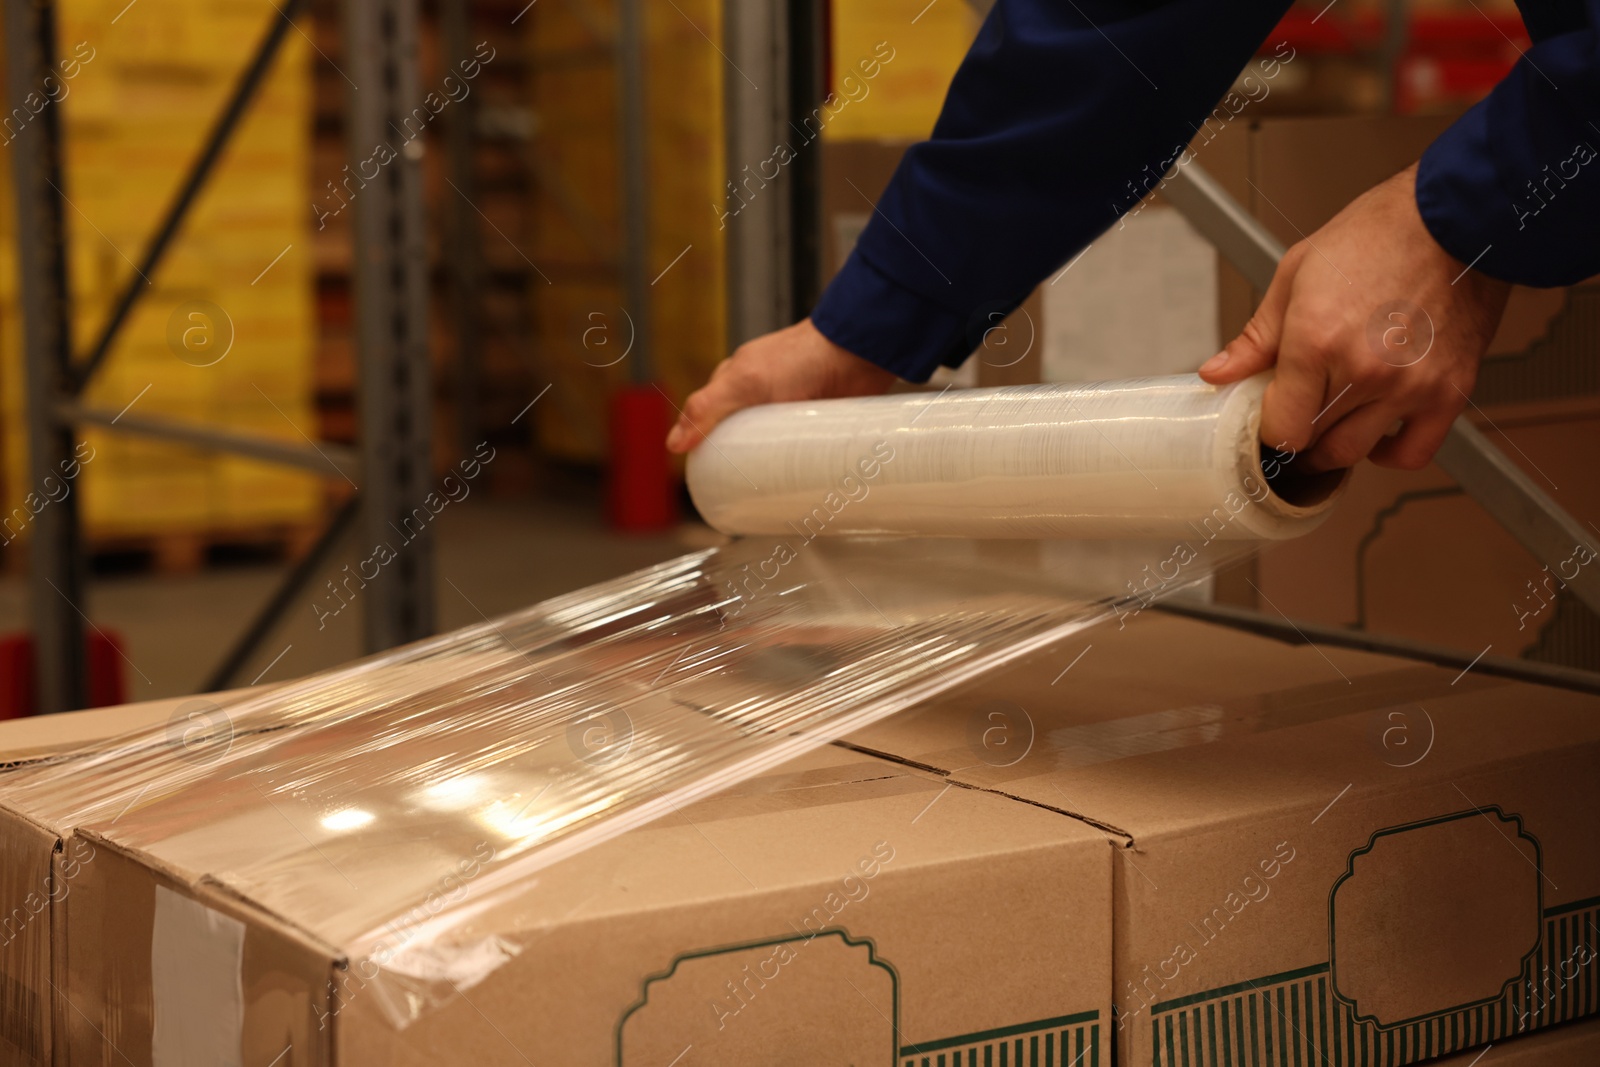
1143,458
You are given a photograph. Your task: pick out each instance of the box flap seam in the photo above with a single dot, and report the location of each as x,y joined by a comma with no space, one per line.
1099,824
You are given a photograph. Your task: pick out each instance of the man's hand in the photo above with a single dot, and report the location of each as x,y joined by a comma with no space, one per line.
1370,324
796,363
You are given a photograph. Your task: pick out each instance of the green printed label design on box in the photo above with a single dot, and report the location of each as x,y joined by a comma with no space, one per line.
732,1004
1345,1013
1435,916
1067,1041
829,994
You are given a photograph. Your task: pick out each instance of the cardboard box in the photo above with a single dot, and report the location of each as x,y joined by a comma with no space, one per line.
38,871
1322,855
1406,553
1162,844
1568,1045
843,909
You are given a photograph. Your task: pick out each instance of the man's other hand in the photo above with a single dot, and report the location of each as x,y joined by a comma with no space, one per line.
1371,324
796,363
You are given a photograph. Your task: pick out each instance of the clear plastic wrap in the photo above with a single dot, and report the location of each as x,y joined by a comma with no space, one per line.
346,800
1150,458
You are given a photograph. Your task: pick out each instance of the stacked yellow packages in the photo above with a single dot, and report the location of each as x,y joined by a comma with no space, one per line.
225,332
892,64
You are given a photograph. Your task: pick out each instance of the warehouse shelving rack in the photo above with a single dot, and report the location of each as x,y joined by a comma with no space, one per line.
775,250
773,275
392,463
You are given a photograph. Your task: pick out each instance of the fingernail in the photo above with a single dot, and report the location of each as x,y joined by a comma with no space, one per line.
675,438
1216,362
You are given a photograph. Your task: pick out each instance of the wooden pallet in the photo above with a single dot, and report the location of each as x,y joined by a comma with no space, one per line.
180,552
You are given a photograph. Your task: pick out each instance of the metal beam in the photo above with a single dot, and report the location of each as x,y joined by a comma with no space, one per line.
328,460
1396,36
304,569
244,92
1510,496
464,245
1222,220
634,181
1316,634
1526,511
756,209
385,108
55,580
392,294
808,65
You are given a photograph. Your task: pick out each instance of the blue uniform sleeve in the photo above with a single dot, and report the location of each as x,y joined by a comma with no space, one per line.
1059,119
1513,186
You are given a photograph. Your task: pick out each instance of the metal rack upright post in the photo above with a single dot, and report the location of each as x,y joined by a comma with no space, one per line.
390,468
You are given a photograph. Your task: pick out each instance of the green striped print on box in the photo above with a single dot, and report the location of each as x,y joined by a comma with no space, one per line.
1294,1020
1066,1041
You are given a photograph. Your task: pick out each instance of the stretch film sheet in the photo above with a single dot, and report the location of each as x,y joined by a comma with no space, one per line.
1149,458
346,799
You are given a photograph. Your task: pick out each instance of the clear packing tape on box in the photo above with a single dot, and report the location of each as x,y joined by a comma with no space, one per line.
347,802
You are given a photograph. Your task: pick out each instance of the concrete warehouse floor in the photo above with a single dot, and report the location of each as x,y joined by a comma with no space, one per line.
494,557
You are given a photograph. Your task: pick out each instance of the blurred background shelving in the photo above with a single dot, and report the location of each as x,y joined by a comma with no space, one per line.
527,308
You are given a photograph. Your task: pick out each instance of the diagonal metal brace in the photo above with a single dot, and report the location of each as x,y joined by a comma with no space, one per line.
277,605
327,459
243,92
1502,489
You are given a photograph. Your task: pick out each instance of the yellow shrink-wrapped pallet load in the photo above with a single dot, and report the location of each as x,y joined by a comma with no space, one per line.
892,62
225,334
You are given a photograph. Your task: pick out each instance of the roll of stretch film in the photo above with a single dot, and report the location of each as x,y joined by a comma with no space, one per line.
1145,458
